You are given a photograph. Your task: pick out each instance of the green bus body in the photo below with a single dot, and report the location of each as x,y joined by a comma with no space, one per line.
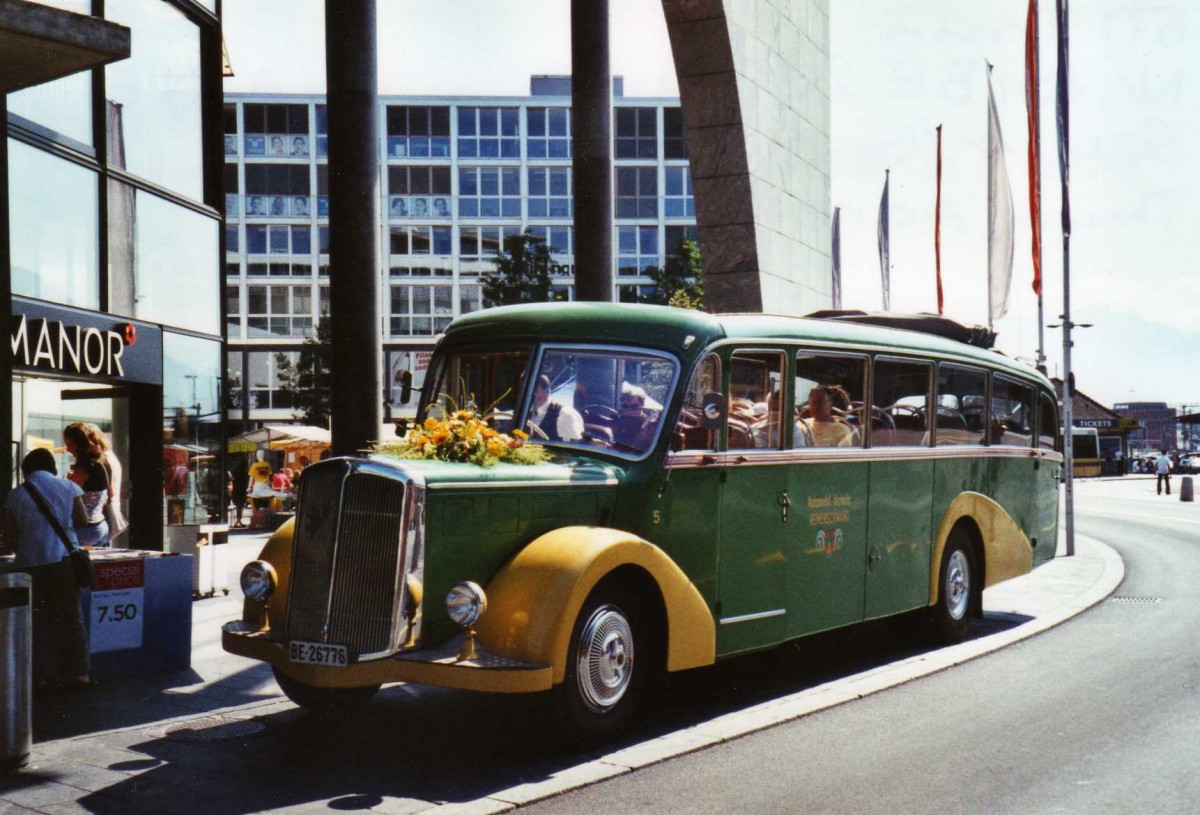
779,546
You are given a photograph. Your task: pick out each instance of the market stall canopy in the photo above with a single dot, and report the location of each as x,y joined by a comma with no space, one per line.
278,435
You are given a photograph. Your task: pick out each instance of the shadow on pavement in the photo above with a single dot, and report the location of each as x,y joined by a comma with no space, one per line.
413,747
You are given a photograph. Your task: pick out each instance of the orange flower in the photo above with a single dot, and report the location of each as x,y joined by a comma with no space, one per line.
520,434
440,435
431,423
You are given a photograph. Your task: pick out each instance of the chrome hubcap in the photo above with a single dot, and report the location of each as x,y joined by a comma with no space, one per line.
958,585
605,658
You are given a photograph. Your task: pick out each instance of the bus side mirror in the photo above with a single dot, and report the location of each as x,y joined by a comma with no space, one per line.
712,411
406,387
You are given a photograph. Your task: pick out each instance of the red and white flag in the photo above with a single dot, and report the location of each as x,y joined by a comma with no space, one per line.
1000,215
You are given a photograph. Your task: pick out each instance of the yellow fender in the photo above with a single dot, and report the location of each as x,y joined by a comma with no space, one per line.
534,600
1006,550
278,552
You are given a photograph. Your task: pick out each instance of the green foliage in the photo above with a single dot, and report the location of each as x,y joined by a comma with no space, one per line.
522,273
681,282
307,383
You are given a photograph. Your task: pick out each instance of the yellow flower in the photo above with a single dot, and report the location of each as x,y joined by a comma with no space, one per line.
431,423
440,435
520,434
496,447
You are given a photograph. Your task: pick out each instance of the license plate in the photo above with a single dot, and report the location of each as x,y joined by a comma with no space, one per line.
318,653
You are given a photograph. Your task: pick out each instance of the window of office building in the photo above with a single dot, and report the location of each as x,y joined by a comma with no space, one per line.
470,298
276,131
679,199
635,294
53,228
488,133
421,240
161,261
232,245
264,387
420,310
637,249
278,239
322,190
637,133
233,312
561,242
63,106
489,192
549,192
278,191
229,125
154,114
419,192
548,132
676,235
279,310
321,117
418,132
479,245
674,143
232,187
637,192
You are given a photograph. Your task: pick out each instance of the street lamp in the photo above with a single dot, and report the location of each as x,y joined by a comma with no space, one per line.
1069,421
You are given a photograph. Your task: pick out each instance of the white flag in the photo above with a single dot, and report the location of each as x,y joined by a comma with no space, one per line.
1000,216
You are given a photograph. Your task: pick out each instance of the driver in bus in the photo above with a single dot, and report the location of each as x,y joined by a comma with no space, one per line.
550,418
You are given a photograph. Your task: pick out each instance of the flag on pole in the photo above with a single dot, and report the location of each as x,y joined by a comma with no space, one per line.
837,257
1032,113
1000,215
937,221
1063,110
884,251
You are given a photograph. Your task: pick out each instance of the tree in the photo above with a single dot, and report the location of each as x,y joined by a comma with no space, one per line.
307,383
680,282
522,273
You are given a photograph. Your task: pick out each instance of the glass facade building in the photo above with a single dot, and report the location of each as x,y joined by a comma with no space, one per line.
113,198
456,177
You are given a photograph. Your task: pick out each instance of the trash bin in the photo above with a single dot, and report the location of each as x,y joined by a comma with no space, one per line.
16,669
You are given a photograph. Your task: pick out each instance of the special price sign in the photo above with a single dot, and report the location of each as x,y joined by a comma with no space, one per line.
117,605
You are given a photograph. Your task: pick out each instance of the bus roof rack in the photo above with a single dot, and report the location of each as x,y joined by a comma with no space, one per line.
977,335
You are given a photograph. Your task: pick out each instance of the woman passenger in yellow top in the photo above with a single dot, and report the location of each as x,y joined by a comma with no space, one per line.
821,426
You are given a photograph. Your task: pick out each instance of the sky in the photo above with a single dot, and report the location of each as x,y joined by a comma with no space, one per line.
898,69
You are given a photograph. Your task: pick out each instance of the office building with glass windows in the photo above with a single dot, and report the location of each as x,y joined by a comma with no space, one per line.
111,244
457,176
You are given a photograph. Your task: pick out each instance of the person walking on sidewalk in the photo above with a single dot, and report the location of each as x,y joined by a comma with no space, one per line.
1162,466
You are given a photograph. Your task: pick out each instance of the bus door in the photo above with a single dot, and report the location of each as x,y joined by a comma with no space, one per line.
756,506
1012,426
900,515
827,484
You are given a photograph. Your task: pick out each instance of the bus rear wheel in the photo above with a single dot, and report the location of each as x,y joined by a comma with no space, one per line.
605,674
951,616
313,698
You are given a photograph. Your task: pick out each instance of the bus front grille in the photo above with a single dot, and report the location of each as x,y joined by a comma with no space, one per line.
347,551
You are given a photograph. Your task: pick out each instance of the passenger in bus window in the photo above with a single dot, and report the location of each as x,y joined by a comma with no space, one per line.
822,426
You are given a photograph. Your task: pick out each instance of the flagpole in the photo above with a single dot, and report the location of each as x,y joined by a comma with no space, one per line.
1041,318
1064,160
991,183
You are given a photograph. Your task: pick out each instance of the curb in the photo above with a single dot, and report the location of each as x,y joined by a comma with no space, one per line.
1051,595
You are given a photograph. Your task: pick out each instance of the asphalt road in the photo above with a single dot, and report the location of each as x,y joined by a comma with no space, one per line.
1100,715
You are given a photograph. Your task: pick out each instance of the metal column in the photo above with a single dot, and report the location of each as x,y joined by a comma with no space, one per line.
591,132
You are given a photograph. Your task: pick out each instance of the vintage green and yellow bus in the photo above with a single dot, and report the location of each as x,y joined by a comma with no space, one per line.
718,484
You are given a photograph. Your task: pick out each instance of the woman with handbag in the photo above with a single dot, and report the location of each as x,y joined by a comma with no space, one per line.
117,523
89,472
38,527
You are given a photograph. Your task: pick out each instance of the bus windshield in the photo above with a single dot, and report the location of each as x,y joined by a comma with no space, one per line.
579,396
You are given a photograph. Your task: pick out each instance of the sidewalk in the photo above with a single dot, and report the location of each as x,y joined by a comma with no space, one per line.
220,739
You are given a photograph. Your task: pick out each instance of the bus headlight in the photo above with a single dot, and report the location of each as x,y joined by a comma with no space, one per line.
258,580
466,603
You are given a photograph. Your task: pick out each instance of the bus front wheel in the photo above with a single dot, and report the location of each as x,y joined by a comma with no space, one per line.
951,616
605,671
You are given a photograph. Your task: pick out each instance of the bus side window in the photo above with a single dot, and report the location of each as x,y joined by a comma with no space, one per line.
1012,413
756,400
838,384
961,406
1047,424
692,430
901,395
